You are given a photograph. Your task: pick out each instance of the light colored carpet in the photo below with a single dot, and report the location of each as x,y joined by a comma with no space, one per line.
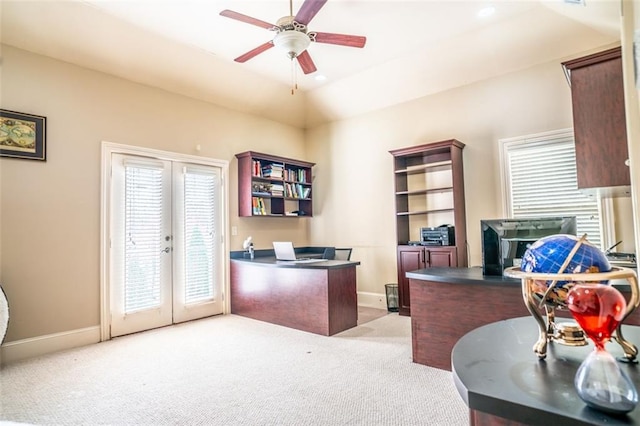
366,314
231,370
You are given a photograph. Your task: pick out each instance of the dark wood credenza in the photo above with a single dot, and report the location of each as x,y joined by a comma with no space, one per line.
318,297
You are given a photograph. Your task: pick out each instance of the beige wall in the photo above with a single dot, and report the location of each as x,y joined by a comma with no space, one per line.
50,223
355,167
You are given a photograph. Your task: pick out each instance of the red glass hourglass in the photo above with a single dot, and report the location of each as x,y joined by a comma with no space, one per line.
599,381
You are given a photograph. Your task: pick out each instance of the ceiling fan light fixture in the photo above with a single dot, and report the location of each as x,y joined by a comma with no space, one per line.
292,42
293,38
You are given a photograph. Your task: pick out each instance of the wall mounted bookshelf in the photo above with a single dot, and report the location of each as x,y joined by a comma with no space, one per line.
273,186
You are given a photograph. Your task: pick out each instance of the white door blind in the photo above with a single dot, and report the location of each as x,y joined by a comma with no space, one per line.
200,191
541,182
143,237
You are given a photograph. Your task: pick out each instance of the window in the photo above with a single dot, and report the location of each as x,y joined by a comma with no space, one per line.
539,180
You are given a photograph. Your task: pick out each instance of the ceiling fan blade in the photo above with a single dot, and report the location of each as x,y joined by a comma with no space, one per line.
250,54
306,63
341,39
308,10
247,19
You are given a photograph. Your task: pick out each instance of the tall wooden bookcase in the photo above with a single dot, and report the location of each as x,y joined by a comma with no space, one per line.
269,185
429,192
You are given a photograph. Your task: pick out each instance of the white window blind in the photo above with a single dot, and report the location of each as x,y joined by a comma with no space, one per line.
201,192
540,181
143,236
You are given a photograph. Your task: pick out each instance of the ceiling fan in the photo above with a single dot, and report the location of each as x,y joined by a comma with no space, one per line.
292,35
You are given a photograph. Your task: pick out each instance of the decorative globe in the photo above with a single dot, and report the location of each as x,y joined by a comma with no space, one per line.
548,254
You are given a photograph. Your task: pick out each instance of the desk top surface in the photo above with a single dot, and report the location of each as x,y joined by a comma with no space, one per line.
474,276
496,371
461,276
270,261
266,257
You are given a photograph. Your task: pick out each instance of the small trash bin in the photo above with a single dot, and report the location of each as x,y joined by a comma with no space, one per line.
392,297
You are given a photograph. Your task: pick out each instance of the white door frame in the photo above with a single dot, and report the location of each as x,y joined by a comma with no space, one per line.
109,148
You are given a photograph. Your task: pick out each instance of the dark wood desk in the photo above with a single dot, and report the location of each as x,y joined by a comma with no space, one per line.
447,303
315,297
503,382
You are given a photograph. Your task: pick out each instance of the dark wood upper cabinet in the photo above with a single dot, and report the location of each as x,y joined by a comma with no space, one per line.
597,95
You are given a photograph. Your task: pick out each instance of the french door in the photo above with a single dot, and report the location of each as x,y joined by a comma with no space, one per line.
166,247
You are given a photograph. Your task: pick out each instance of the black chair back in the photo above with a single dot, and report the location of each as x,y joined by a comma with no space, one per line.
329,253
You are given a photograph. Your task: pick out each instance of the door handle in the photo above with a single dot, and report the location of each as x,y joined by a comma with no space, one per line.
166,250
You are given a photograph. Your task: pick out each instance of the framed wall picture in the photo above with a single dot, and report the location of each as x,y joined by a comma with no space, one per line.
22,135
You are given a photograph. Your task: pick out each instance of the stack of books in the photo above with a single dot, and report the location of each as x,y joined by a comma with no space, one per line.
273,171
277,189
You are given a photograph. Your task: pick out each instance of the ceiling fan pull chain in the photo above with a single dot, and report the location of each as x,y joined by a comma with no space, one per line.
294,84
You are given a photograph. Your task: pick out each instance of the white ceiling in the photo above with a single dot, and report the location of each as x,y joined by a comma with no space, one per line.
414,47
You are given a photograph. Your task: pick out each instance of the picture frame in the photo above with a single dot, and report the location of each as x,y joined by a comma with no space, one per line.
23,135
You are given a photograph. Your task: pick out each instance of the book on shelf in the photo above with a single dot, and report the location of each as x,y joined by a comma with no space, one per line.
295,175
258,206
273,171
277,189
294,190
256,168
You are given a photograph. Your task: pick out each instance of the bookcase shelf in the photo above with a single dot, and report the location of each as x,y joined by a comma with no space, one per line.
273,186
421,212
429,192
422,168
425,191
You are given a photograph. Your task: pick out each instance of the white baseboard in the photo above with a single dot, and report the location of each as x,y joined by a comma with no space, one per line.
42,345
372,300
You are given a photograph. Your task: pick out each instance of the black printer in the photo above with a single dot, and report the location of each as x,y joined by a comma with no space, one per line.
443,235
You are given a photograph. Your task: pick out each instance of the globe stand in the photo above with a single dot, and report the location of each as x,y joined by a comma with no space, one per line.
542,291
599,381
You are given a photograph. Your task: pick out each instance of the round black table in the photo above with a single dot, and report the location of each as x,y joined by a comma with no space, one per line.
500,377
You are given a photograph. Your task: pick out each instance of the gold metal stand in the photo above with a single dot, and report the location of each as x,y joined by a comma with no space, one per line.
550,300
